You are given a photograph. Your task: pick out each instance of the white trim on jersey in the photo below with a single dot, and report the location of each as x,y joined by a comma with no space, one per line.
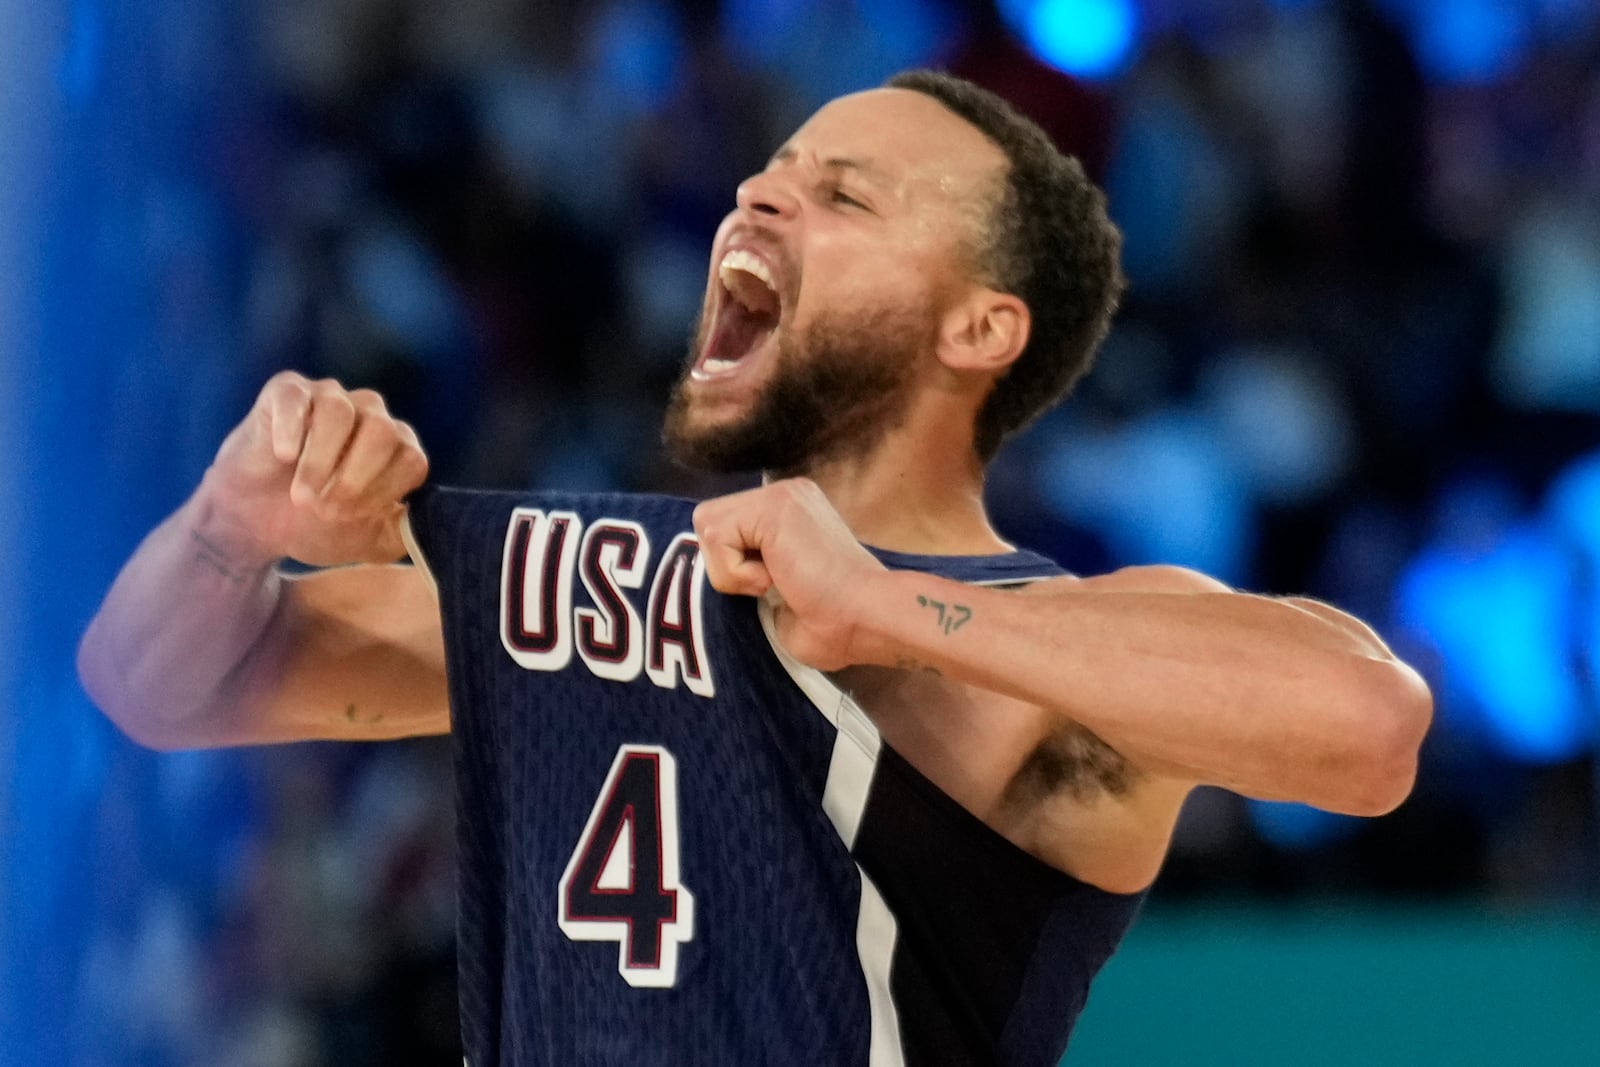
844,798
1025,580
409,538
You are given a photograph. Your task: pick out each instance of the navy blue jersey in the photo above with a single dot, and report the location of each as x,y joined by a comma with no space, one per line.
680,846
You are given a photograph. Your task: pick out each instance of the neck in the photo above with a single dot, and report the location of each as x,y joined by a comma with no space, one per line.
911,494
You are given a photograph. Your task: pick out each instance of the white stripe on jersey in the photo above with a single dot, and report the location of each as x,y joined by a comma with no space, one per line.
844,798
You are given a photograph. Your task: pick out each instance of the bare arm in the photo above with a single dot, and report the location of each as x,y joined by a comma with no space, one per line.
201,641
1187,679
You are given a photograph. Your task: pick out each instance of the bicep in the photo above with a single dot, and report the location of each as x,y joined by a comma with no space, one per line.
1155,578
356,655
1344,629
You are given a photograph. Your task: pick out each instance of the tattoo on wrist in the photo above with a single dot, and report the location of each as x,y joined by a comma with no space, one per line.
212,555
952,617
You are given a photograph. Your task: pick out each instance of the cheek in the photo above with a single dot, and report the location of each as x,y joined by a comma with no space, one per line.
867,292
717,241
861,274
723,227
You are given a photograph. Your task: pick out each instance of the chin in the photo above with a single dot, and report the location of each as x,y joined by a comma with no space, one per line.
697,433
731,445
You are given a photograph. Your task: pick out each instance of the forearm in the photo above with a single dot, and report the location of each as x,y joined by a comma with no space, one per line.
170,644
1259,695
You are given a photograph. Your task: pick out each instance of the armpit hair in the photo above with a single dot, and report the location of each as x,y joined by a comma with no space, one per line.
1074,761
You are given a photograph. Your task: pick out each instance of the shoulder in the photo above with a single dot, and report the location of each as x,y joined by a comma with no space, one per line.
1152,578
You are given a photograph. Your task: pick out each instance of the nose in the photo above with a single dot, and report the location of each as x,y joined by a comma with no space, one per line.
767,193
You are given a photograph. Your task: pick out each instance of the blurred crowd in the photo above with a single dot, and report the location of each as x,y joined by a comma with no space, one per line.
1360,359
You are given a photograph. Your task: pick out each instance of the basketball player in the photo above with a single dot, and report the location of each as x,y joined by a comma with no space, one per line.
732,787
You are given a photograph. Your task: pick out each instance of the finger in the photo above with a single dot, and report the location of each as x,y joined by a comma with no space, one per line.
747,577
287,401
407,468
732,568
750,577
330,421
372,445
729,520
730,540
721,509
390,546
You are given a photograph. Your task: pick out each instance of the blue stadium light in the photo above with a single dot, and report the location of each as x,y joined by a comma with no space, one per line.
638,50
1087,38
1298,827
1573,507
1502,619
1574,504
1470,41
82,59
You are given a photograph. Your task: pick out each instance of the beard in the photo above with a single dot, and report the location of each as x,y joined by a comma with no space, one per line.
834,391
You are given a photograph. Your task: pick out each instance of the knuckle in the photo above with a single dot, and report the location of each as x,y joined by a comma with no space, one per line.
379,433
407,437
413,465
367,401
336,404
326,391
286,393
303,498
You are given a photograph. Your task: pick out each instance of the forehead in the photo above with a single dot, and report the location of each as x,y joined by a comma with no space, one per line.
905,139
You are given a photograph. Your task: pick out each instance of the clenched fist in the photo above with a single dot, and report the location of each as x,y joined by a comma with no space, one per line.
787,537
316,473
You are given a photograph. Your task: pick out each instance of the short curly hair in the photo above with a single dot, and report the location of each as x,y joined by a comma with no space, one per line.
1047,240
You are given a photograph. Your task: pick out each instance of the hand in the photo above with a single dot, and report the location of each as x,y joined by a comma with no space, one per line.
315,473
786,536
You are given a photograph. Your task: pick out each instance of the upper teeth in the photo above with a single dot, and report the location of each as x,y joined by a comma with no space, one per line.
749,263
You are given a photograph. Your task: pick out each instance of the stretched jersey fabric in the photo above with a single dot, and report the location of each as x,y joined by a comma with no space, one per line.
678,845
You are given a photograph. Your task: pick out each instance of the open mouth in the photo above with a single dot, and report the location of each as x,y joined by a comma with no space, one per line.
747,316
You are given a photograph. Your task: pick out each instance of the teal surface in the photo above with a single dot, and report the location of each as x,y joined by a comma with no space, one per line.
1348,987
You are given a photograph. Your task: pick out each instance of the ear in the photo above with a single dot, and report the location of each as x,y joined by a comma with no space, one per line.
987,331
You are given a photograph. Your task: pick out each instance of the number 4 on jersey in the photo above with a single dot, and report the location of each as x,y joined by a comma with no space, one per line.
621,883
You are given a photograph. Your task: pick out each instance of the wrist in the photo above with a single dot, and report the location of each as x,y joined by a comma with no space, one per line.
878,634
227,540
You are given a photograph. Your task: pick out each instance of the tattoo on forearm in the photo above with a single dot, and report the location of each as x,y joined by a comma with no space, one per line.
952,617
212,555
355,715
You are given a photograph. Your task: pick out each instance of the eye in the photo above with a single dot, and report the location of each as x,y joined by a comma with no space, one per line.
837,195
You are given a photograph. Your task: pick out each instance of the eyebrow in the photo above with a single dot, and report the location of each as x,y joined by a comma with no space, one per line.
865,167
